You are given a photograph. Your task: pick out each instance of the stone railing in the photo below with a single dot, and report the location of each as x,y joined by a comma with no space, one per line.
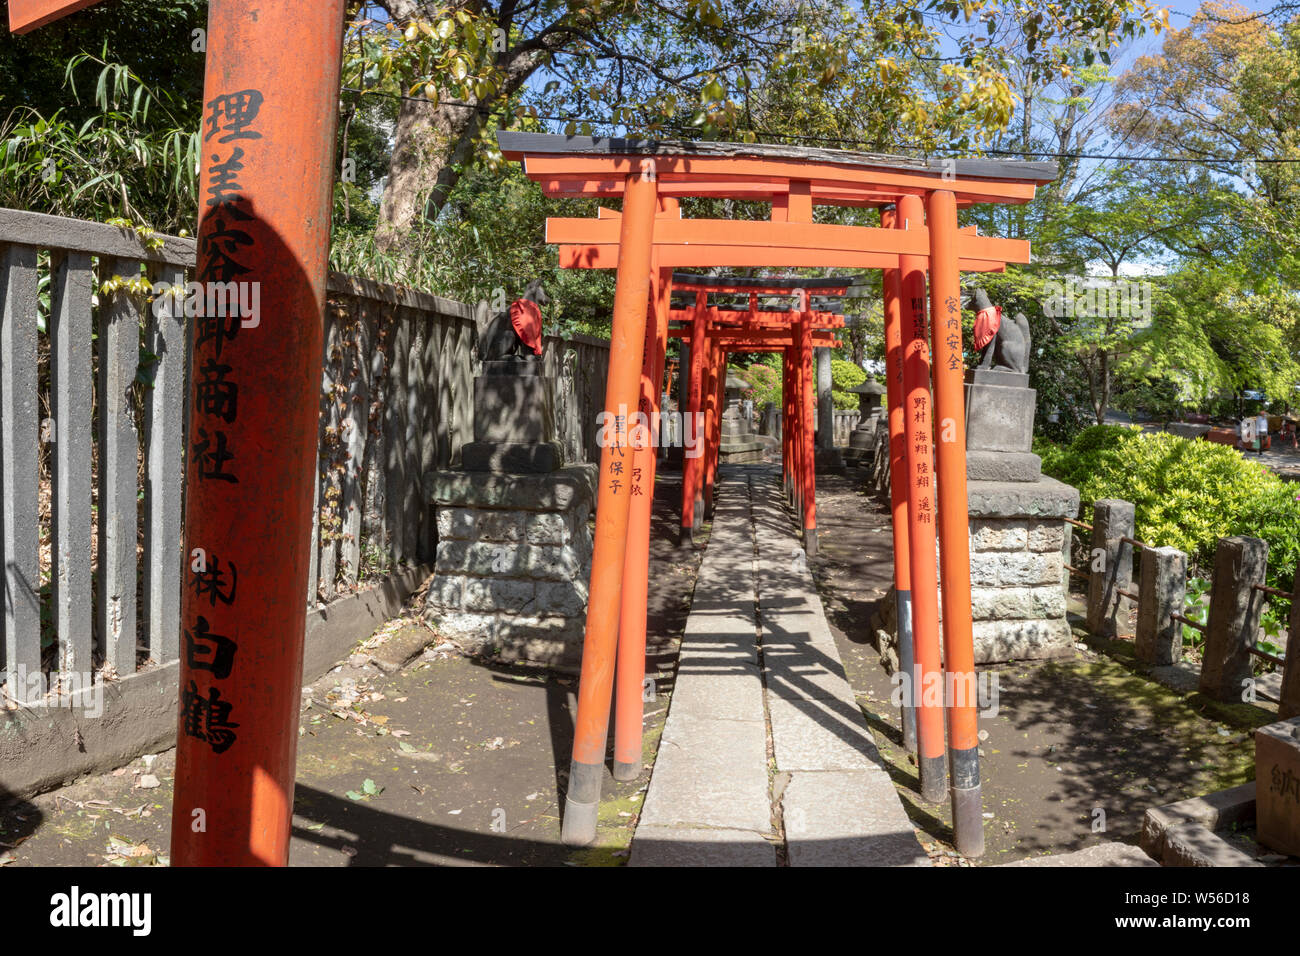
846,419
1236,602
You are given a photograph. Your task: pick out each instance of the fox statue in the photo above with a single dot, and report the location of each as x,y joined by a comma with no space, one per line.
514,332
1007,342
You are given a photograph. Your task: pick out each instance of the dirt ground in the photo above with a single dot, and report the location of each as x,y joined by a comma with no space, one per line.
451,760
461,760
1079,747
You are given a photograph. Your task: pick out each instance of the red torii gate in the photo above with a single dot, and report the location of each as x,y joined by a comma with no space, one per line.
708,329
918,200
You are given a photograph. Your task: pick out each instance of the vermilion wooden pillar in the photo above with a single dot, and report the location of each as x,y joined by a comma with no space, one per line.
808,500
622,392
954,524
693,459
267,150
928,689
787,424
711,414
898,485
630,674
796,426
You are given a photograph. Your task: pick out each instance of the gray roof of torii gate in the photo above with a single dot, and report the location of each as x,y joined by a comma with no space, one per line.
975,168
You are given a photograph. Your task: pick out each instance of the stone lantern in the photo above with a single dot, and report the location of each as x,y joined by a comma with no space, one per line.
862,443
738,445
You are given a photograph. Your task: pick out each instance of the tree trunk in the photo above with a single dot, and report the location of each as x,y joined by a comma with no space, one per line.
429,142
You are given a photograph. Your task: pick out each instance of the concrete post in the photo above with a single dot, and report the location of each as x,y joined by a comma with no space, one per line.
1289,706
825,402
1110,562
1235,607
1163,590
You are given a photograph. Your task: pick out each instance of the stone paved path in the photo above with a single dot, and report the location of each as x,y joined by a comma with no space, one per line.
766,758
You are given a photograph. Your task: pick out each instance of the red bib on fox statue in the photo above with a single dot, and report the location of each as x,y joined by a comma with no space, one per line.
526,318
987,323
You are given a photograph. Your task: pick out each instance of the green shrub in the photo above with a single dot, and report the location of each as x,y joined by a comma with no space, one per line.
764,384
844,376
1186,494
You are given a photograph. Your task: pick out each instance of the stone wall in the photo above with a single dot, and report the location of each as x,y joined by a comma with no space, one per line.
1017,542
1018,548
1017,601
513,561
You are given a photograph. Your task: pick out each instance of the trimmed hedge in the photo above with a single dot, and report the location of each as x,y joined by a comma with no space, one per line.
1187,494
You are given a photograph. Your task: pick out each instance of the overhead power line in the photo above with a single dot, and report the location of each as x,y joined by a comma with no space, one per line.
838,141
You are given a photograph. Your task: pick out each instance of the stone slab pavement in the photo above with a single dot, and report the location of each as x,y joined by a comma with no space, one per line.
766,758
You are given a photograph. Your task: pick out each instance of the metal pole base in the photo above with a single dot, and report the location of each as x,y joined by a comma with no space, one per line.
907,665
810,542
967,819
934,778
581,804
624,772
968,822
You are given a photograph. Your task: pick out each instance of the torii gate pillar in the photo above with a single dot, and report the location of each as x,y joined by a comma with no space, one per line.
265,190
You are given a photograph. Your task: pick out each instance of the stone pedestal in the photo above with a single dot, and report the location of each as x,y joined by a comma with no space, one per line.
514,423
1000,426
1018,540
1018,549
1277,786
513,561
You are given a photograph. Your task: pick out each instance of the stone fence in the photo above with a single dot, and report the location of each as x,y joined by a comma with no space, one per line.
1236,601
845,421
94,396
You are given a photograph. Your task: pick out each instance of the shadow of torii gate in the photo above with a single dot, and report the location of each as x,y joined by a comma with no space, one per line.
918,202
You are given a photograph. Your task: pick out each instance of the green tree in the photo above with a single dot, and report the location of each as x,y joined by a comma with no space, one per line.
737,68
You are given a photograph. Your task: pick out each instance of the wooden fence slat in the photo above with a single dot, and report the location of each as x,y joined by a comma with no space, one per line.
447,336
329,452
71,397
411,447
428,427
313,546
119,448
20,543
462,418
395,435
355,432
164,416
375,520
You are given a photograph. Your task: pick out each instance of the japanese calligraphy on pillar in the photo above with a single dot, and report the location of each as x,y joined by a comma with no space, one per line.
917,413
229,136
617,475
952,333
